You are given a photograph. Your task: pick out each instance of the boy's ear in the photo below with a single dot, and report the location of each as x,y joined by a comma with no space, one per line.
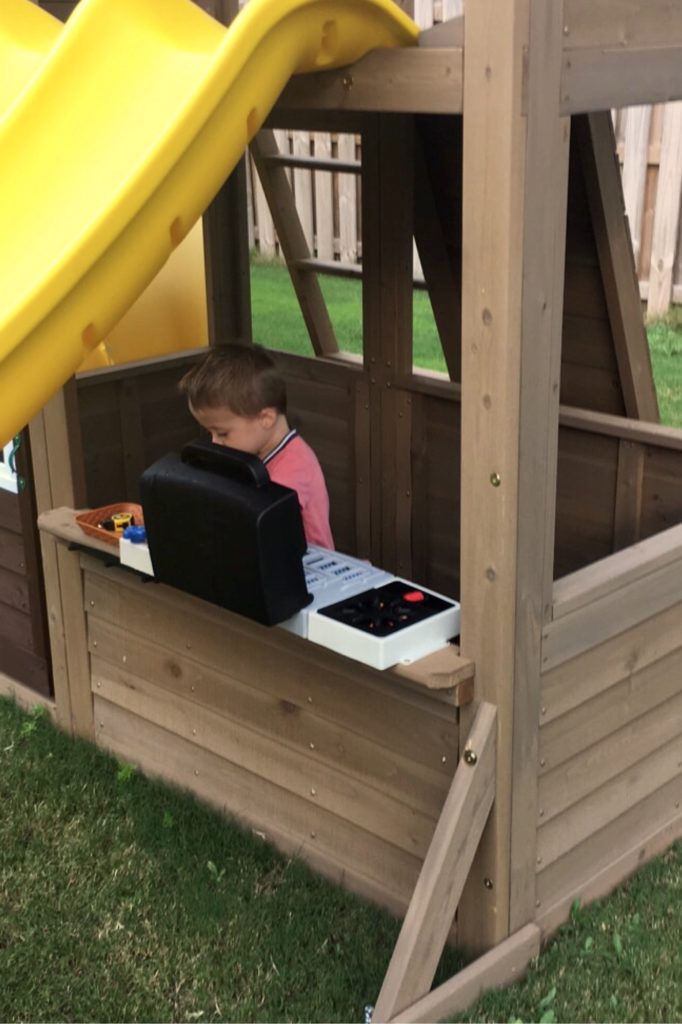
268,417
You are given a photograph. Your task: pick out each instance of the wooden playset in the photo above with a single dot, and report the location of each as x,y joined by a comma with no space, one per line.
483,789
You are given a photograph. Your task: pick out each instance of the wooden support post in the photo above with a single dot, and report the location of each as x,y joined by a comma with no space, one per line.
226,255
226,238
387,182
629,486
515,182
58,481
607,206
439,887
273,178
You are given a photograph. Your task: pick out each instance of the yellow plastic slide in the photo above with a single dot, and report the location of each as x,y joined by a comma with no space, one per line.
117,144
170,314
27,34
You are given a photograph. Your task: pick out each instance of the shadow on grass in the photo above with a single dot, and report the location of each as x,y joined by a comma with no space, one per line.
124,899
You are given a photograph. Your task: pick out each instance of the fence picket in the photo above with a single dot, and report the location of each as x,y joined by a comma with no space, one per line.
636,151
324,199
667,218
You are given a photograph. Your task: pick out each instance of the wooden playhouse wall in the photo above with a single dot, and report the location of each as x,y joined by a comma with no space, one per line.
341,765
610,746
24,644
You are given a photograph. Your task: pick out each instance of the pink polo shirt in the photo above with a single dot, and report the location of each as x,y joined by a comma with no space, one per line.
294,464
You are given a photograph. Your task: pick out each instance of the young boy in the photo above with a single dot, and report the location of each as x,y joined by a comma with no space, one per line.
237,394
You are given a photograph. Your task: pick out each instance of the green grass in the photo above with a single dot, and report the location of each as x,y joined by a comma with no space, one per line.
665,345
277,323
124,900
619,959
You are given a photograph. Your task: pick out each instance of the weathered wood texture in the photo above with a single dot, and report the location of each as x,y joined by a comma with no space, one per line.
610,723
24,647
346,766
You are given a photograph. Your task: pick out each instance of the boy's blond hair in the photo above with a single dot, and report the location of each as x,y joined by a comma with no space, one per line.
242,378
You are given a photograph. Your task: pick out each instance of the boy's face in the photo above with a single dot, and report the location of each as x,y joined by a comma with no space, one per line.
252,434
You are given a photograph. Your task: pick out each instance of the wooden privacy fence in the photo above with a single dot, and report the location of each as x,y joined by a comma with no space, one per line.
650,150
326,184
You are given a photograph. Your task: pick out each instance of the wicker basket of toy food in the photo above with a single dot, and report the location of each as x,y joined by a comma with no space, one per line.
108,522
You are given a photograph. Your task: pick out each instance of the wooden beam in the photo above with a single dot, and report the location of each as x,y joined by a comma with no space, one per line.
594,78
596,145
293,241
226,256
411,80
629,488
441,880
56,458
447,34
496,36
622,23
387,224
504,964
544,247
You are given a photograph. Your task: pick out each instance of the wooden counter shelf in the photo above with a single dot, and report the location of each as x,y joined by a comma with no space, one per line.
346,766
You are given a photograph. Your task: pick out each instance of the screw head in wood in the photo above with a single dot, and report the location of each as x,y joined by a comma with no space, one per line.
495,479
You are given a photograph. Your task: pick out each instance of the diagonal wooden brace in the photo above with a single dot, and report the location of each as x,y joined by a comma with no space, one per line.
292,238
448,861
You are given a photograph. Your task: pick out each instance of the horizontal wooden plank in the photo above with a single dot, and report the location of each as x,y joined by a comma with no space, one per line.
365,701
621,703
16,628
410,80
613,573
599,852
575,683
600,881
60,523
587,341
440,671
603,78
591,388
12,554
612,614
294,724
605,425
13,591
10,515
28,668
621,23
572,779
347,855
294,770
609,802
26,696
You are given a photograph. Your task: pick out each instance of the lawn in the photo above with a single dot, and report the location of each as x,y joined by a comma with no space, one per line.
122,899
277,323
